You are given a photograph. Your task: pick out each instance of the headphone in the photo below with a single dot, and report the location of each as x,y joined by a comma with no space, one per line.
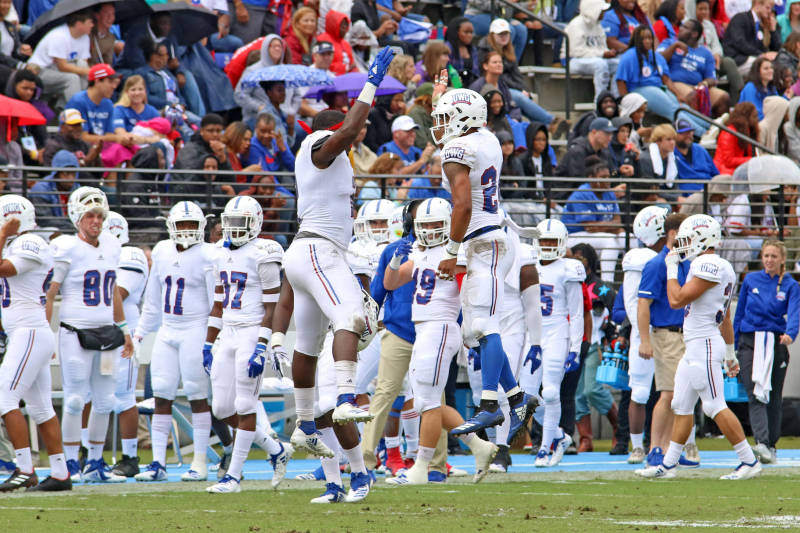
408,218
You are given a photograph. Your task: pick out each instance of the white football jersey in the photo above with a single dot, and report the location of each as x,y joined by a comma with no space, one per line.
363,257
434,298
87,291
132,276
180,291
480,151
23,295
702,317
241,272
632,266
512,314
553,279
325,196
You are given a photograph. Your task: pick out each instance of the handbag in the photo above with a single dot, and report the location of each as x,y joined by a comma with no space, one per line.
102,338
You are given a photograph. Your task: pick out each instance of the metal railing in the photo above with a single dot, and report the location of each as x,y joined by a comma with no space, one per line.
740,136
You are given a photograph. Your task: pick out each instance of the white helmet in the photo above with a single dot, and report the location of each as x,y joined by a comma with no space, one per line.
432,210
648,226
241,220
457,111
117,226
84,199
373,211
697,234
396,224
186,211
15,206
552,229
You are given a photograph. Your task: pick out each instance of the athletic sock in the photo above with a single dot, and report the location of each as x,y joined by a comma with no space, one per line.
691,440
24,460
71,452
159,435
467,438
744,452
425,454
265,442
550,430
637,439
673,454
492,358
345,376
58,466
330,465
356,459
85,437
201,433
241,448
95,451
392,442
129,447
304,404
410,420
98,429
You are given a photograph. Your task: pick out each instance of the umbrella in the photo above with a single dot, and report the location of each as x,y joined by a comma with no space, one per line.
767,172
17,112
190,23
292,75
58,15
353,83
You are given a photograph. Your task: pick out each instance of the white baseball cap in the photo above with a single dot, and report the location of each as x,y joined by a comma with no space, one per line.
404,123
499,26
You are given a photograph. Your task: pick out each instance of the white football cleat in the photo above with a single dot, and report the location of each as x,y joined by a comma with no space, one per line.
279,462
347,412
310,443
227,484
542,458
762,453
656,472
559,449
692,452
333,494
453,471
154,472
359,487
484,453
95,472
196,473
744,471
413,476
637,456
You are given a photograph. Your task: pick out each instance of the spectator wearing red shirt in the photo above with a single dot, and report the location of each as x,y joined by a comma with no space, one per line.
732,152
336,26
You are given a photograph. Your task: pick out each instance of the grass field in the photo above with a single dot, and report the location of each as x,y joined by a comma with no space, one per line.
559,501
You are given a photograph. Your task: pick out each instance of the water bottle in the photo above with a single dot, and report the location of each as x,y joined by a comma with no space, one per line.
440,30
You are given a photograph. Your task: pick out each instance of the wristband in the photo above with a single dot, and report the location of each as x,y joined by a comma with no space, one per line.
215,322
264,333
269,298
395,262
124,327
730,352
219,297
672,271
367,94
278,339
452,247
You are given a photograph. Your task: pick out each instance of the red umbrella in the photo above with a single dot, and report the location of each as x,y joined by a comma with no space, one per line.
19,113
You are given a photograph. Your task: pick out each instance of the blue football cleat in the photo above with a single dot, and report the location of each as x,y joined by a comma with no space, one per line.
74,469
333,494
683,462
434,476
480,420
316,475
359,487
520,414
9,467
655,457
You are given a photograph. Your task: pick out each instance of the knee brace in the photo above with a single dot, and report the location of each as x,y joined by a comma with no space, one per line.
483,326
245,405
640,394
355,322
124,401
427,400
221,409
73,404
103,405
551,394
194,390
310,346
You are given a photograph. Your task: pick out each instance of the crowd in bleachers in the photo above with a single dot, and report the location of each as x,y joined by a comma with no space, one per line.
144,94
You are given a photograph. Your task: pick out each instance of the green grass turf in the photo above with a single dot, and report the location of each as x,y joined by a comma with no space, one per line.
552,502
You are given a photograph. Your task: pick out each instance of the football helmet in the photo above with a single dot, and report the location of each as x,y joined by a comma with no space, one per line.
396,224
697,234
85,199
117,226
432,211
648,226
373,211
552,229
457,111
241,220
186,211
15,206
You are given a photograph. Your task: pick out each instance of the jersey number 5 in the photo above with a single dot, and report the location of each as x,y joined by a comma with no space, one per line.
489,185
240,279
546,299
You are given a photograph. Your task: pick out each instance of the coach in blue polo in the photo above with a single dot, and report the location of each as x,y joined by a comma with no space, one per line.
661,331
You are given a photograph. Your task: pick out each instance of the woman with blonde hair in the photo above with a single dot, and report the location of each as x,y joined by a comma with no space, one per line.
766,323
403,70
132,106
300,37
658,160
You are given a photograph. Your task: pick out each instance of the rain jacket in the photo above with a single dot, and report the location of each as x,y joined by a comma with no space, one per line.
784,26
343,61
792,131
587,38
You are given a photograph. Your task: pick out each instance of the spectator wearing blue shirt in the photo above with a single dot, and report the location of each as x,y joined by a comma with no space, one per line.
692,160
661,332
620,21
429,186
50,195
404,133
96,108
591,215
692,65
132,106
760,90
768,313
644,71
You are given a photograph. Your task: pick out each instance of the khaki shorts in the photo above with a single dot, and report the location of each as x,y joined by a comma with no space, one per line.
668,351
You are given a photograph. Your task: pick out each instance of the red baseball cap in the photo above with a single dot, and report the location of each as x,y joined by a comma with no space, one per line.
100,71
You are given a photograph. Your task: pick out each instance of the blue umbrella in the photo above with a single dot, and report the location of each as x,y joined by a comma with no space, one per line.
353,83
292,75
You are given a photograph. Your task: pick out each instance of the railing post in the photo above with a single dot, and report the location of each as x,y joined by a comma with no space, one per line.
24,183
118,199
209,193
548,191
628,195
781,211
568,92
705,197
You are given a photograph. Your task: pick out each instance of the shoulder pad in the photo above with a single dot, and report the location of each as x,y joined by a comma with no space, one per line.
133,258
460,151
62,247
106,239
528,255
270,251
574,271
31,246
636,259
706,267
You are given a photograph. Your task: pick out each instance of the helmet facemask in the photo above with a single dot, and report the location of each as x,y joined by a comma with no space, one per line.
237,228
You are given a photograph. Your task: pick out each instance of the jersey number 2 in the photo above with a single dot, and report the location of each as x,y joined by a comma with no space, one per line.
489,184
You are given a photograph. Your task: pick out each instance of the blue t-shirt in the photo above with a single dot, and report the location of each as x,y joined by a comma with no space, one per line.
755,95
397,303
692,67
583,206
409,158
654,287
650,73
623,32
98,117
126,117
426,190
